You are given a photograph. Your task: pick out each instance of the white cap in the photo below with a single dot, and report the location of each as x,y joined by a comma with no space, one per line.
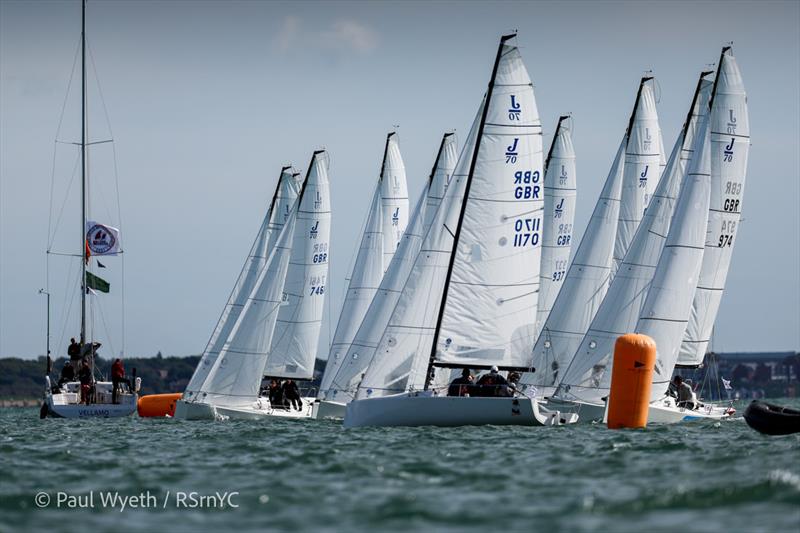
494,369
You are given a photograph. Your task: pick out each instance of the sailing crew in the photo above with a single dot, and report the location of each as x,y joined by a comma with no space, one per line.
118,378
275,394
492,384
67,374
291,395
684,393
74,350
461,386
85,377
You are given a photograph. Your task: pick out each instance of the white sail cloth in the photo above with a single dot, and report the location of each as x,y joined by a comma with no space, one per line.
642,168
294,345
344,371
394,194
730,144
277,214
588,376
490,307
559,215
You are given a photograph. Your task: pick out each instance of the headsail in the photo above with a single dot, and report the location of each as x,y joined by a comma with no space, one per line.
343,373
394,192
588,375
294,345
277,214
730,144
642,167
559,215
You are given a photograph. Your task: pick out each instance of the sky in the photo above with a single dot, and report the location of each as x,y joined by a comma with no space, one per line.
207,100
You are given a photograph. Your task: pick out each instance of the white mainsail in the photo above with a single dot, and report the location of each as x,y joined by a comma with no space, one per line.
394,192
666,309
588,376
642,167
559,215
277,214
343,374
730,144
234,379
583,289
294,344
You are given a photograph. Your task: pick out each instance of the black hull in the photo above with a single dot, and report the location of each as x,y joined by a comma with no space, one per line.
772,419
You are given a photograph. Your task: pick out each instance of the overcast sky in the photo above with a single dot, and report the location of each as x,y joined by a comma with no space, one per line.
207,100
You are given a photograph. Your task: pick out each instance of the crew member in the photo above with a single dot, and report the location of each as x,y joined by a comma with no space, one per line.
85,377
74,350
492,384
684,393
291,395
67,374
117,378
461,386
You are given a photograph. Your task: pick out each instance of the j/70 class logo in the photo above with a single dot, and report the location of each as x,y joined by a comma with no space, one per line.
100,239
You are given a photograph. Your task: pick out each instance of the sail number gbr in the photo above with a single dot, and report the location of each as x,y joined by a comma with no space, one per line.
526,185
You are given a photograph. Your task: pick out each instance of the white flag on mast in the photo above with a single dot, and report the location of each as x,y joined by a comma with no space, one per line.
102,239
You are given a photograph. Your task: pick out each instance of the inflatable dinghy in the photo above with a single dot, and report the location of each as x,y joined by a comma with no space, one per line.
772,419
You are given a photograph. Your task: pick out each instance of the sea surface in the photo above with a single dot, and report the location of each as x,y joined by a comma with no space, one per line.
316,476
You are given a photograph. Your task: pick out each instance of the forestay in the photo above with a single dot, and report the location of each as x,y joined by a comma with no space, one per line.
277,214
394,192
559,215
642,167
344,371
730,144
294,345
587,377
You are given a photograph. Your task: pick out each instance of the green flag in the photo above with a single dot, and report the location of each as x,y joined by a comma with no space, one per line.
96,283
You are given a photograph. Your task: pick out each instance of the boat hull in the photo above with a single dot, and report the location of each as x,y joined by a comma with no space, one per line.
427,410
327,409
662,411
66,404
258,410
772,419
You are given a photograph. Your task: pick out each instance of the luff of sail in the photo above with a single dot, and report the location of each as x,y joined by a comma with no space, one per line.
642,166
277,214
364,281
559,215
394,191
347,371
234,379
665,312
588,375
294,345
730,144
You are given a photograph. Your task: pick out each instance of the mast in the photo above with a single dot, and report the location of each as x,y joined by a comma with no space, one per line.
438,156
561,119
83,172
716,78
644,80
385,153
484,113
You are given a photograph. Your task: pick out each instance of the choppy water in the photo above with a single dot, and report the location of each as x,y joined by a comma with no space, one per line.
314,475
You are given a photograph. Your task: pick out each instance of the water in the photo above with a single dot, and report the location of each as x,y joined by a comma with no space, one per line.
314,475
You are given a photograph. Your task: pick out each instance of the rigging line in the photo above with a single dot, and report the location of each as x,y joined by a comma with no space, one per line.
119,221
69,87
52,237
99,88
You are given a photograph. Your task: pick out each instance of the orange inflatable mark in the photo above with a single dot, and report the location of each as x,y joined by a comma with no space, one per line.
631,381
158,404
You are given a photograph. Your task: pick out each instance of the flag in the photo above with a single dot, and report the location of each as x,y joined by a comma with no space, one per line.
87,252
97,283
101,239
101,265
726,383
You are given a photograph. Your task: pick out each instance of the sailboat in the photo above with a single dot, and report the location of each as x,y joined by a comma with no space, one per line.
478,283
277,330
559,209
344,371
389,200
587,378
97,399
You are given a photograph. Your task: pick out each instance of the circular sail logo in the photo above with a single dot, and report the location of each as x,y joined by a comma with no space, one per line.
100,239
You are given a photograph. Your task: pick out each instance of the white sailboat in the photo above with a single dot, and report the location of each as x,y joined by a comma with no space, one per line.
730,140
486,313
394,198
344,371
97,399
253,348
587,378
277,214
559,215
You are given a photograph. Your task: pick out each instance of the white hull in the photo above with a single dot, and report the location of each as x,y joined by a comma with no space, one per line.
662,411
258,410
327,409
66,404
420,409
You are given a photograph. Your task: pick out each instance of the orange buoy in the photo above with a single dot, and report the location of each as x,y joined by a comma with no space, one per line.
158,404
631,381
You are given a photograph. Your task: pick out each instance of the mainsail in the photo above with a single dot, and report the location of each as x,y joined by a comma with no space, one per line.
394,194
730,144
559,215
344,371
587,376
642,167
294,344
277,214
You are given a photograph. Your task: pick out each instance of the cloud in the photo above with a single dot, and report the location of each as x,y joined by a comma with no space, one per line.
351,34
288,34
